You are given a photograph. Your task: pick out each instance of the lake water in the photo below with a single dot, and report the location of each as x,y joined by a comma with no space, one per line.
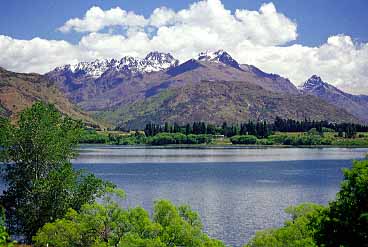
237,191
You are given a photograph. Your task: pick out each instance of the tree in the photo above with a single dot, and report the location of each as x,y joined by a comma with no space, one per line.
345,222
4,235
108,224
244,139
41,182
294,233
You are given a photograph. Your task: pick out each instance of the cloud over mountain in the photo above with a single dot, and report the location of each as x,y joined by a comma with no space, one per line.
261,38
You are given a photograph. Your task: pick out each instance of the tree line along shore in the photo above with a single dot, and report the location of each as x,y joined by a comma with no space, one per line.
284,132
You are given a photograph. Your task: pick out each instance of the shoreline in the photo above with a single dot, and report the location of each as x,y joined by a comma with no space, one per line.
230,146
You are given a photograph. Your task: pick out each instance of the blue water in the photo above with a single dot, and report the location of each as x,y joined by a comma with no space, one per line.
237,191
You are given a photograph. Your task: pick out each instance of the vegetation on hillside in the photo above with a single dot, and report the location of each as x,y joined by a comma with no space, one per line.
214,101
19,91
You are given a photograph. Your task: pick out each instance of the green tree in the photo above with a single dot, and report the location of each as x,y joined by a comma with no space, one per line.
295,233
4,235
345,222
41,183
110,225
243,139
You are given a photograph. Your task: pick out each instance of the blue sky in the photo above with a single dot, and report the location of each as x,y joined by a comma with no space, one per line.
316,19
292,38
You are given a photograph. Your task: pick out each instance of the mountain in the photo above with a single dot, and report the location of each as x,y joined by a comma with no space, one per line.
219,56
219,101
212,87
153,62
19,91
357,105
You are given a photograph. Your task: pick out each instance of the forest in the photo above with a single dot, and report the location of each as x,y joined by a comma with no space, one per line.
287,132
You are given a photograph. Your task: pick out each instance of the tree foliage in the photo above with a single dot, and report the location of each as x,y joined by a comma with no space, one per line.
4,235
110,225
260,129
295,232
345,222
243,139
41,183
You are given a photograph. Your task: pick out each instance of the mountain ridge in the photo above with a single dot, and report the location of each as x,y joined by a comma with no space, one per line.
357,105
20,90
130,97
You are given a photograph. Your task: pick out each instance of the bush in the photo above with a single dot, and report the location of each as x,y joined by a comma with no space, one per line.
294,233
133,139
92,137
179,138
110,225
265,142
163,139
243,139
345,222
4,236
300,140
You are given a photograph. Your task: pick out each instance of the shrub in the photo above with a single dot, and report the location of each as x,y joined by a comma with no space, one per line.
294,233
243,139
110,225
345,222
265,142
92,137
179,138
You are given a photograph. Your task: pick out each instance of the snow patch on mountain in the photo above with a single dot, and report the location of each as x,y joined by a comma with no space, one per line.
219,56
314,83
153,62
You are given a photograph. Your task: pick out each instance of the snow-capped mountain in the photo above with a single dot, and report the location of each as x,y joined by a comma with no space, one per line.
316,85
153,62
219,56
357,105
211,87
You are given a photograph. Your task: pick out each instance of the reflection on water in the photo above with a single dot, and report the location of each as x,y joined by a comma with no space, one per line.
118,154
236,190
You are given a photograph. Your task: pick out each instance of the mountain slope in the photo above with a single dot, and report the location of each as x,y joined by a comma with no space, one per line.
357,105
219,101
212,87
116,86
19,91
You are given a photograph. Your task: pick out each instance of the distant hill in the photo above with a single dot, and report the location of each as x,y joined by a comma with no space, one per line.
219,101
356,105
19,91
212,87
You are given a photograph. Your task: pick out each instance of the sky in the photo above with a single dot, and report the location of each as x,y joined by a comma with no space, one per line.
293,38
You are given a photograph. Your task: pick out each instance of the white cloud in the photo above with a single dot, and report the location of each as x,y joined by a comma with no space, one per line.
254,37
339,61
162,17
97,19
36,55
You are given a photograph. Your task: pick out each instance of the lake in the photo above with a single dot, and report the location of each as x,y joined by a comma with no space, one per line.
236,190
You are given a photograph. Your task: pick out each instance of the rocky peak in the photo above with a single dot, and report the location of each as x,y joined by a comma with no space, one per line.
314,83
219,56
160,57
153,62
